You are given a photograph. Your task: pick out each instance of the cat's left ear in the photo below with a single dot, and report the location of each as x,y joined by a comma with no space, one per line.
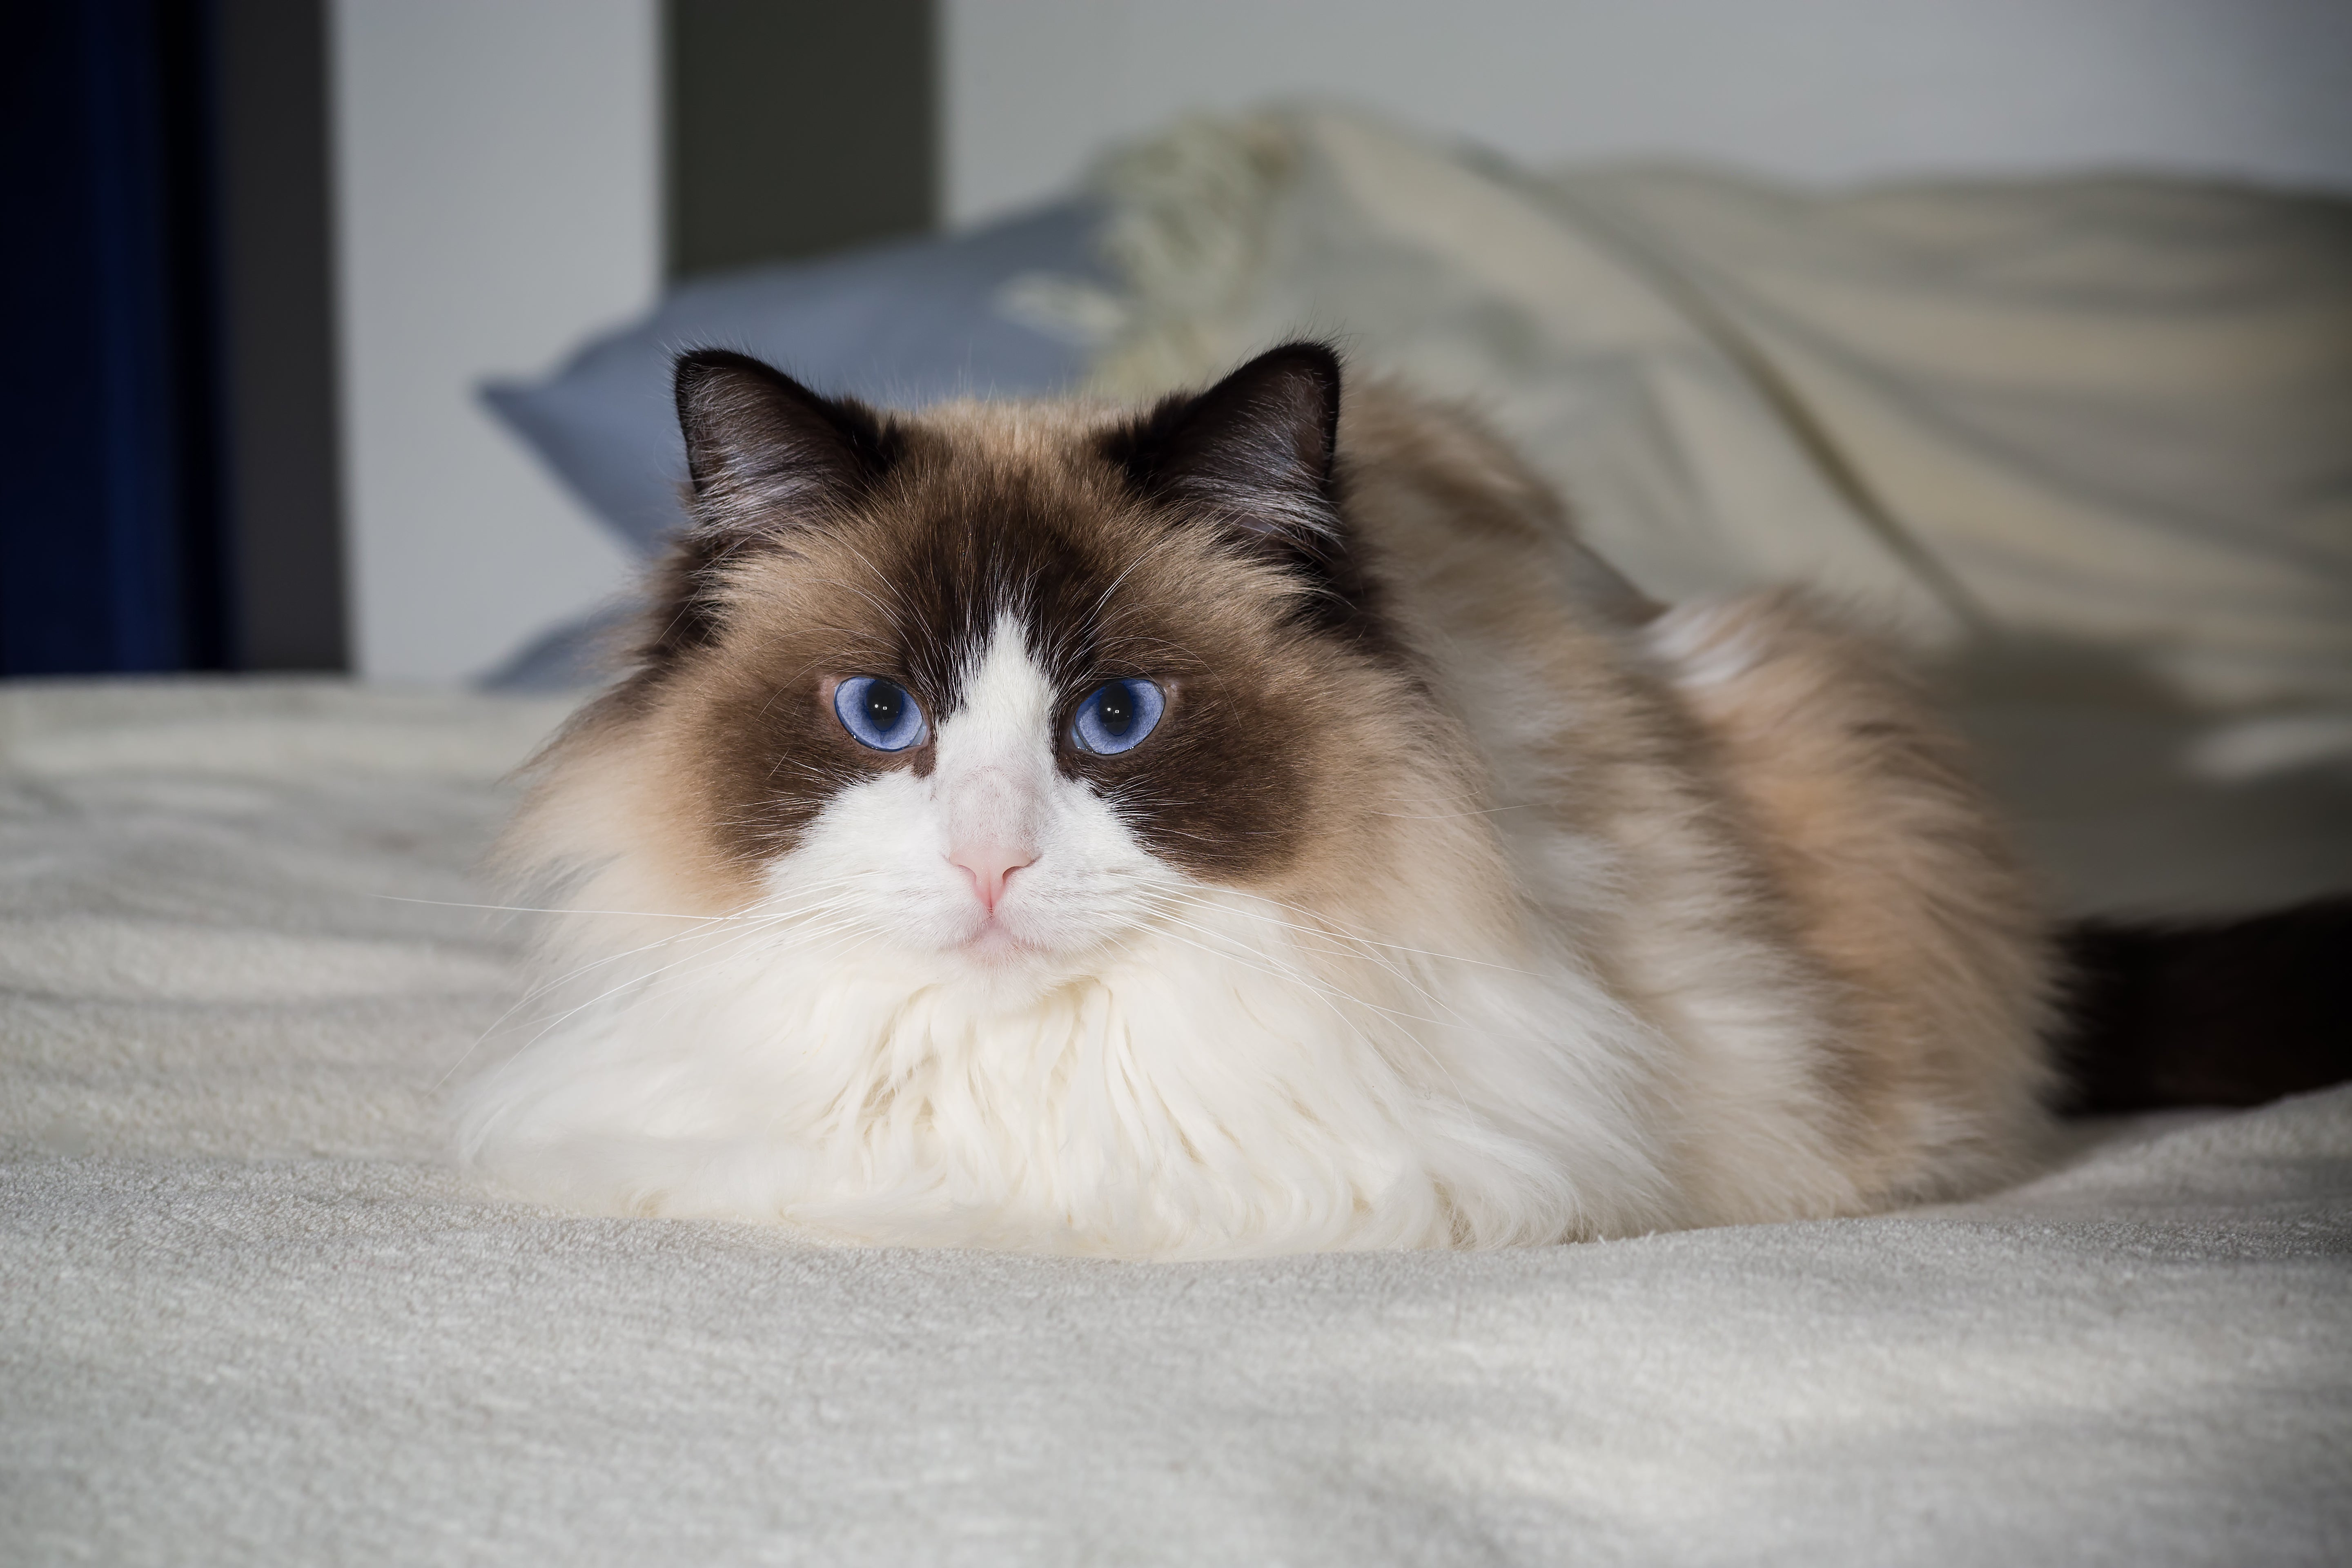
1252,455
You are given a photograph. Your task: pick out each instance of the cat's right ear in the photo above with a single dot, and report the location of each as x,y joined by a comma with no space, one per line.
764,455
763,451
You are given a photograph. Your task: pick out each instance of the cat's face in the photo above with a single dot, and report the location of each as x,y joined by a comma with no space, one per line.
994,688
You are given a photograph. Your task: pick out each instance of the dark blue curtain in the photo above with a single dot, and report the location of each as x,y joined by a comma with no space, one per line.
111,557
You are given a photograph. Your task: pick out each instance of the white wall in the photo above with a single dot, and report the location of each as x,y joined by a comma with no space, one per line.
498,193
1824,89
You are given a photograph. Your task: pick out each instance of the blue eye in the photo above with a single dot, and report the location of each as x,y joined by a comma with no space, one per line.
1116,717
878,713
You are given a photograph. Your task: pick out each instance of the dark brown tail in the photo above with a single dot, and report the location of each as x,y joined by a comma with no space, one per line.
2229,1013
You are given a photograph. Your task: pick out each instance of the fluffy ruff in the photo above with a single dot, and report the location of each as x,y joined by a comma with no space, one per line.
1234,1080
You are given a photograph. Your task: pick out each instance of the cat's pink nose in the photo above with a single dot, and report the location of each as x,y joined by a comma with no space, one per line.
990,867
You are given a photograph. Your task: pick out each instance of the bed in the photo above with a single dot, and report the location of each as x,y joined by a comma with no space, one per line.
251,1314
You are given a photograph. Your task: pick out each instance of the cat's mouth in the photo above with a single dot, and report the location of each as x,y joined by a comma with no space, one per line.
995,941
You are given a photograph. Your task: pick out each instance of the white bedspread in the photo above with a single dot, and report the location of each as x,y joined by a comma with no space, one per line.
246,1314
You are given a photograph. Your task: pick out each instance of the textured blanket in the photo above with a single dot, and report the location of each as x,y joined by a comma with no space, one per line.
248,1314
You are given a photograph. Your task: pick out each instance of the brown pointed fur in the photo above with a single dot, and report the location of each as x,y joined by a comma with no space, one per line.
1775,857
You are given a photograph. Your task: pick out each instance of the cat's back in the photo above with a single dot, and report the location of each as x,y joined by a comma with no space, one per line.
1459,522
1800,825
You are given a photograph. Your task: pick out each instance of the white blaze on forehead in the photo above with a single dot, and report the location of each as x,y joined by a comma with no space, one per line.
1008,704
996,750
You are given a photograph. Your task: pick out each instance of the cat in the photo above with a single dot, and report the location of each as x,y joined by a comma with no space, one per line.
1249,824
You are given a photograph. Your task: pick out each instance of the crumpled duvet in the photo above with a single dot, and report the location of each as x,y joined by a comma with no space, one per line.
2099,419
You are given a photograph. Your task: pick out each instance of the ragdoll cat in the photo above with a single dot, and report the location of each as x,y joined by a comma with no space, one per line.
1251,824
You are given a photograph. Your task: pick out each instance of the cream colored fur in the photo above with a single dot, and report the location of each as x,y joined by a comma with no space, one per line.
1653,920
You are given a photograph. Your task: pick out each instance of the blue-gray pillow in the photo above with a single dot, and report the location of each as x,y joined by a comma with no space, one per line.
899,325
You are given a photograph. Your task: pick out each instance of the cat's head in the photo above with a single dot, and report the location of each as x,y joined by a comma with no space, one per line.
996,685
